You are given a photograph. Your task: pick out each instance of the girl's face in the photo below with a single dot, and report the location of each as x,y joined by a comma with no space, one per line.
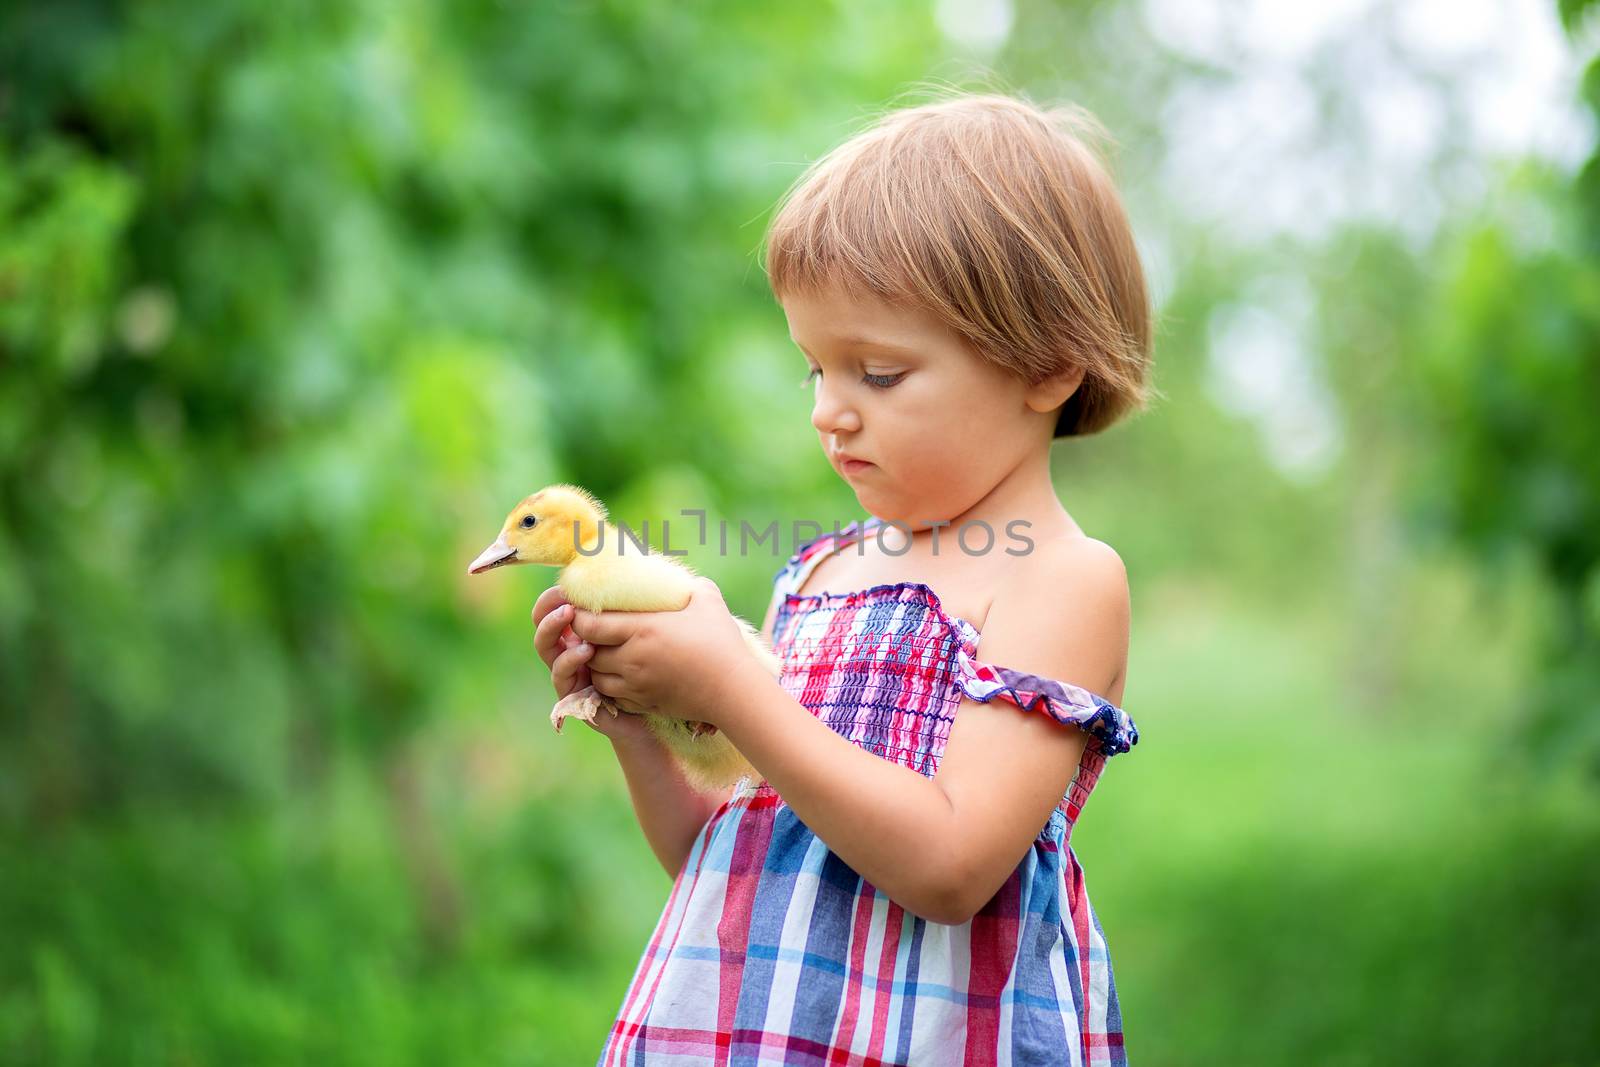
937,428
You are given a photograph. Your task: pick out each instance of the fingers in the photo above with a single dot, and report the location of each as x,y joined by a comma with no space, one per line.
604,628
607,658
570,671
548,601
611,685
607,683
548,638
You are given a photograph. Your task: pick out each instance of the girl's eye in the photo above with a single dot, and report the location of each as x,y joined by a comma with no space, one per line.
877,381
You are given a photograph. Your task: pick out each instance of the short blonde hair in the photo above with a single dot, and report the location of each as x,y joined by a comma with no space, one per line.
996,216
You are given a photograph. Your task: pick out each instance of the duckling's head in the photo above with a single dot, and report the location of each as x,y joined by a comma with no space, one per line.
547,527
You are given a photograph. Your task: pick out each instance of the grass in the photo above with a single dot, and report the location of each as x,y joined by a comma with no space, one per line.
1287,877
1286,874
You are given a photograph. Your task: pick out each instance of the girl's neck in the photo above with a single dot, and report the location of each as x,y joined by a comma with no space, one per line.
1024,495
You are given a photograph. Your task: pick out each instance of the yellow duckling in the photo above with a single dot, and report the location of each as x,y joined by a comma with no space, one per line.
548,527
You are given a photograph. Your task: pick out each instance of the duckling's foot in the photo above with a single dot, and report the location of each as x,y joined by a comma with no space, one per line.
584,703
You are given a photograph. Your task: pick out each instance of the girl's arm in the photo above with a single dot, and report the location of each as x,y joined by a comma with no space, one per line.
887,822
670,811
942,847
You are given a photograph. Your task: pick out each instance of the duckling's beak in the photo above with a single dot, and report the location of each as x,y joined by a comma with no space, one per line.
496,555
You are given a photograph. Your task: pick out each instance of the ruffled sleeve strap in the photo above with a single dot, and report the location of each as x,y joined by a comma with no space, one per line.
792,575
784,581
1062,701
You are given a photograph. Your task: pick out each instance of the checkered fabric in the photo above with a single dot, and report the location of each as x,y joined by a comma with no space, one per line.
771,950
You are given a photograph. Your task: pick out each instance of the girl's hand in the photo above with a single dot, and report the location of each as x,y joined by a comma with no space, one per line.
567,656
673,663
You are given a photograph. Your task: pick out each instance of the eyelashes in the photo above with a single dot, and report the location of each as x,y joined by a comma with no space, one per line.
876,381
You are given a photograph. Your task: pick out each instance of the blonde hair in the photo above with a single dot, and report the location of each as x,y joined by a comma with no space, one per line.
1000,219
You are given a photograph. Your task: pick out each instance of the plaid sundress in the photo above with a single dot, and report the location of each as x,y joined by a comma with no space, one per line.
771,950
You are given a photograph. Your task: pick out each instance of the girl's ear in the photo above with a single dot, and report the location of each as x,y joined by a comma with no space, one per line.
1055,390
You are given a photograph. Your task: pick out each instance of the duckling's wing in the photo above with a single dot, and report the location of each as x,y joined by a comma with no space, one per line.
628,582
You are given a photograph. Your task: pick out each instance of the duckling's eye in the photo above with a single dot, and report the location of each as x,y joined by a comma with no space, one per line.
528,521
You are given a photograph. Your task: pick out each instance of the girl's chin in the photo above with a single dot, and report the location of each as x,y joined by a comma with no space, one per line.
888,511
871,505
884,510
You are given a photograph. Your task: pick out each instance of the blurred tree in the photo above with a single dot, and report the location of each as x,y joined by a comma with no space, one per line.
1510,391
295,299
297,294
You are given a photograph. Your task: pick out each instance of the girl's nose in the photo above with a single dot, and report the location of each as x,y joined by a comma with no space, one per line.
832,414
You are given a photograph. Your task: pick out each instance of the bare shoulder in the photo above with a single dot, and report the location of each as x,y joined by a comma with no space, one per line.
1071,571
1060,613
1071,596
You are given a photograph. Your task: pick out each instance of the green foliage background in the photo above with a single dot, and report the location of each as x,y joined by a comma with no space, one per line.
296,299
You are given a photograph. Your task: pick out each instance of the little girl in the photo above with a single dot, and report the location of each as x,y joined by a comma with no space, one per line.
899,888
